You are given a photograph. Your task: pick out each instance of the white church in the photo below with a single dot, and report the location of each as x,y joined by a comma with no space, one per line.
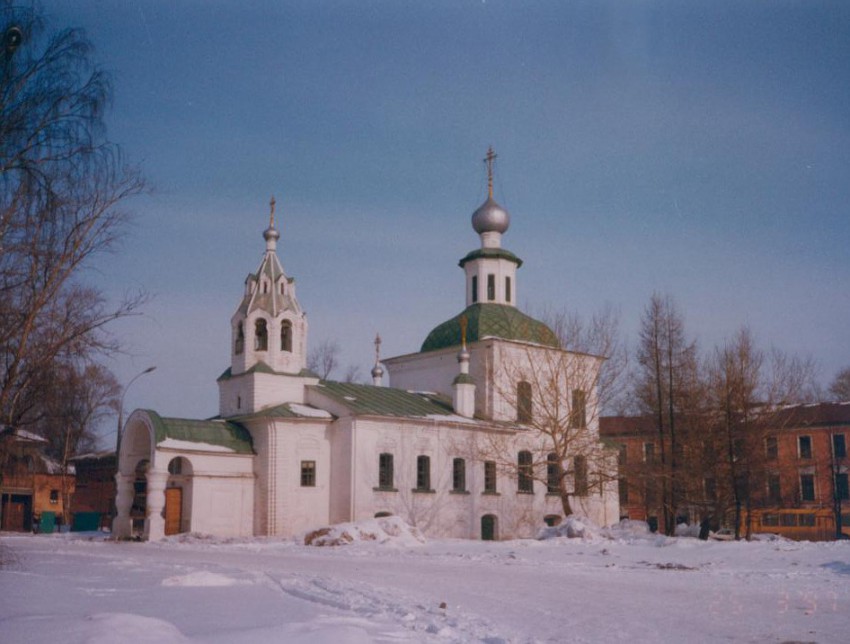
457,443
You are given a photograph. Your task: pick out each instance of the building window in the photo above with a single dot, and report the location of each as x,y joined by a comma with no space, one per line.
578,411
842,488
839,447
525,482
175,466
475,288
238,402
553,474
507,289
622,457
286,336
552,520
623,488
807,487
385,471
423,473
580,467
459,475
490,477
649,453
261,335
523,402
491,287
308,473
771,448
650,495
774,491
54,496
240,339
805,445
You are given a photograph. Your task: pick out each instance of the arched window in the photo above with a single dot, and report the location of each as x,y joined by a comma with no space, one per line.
261,335
525,482
423,473
523,402
385,471
240,339
553,474
458,475
507,289
286,336
474,288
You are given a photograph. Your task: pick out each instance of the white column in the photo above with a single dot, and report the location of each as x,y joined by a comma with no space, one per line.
122,527
155,521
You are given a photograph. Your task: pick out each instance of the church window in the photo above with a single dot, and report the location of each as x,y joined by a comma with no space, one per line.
578,410
525,482
308,473
385,471
580,466
523,402
490,477
240,339
553,474
491,287
54,496
261,335
475,288
423,473
507,289
281,288
238,402
459,475
286,336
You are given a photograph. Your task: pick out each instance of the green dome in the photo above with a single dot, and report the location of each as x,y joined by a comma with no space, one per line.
490,320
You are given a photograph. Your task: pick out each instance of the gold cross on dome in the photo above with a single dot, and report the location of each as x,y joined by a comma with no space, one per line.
491,156
271,215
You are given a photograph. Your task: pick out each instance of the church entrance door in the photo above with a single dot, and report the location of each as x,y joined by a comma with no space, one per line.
488,527
173,510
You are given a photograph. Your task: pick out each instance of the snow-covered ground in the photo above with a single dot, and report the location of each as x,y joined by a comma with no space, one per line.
634,587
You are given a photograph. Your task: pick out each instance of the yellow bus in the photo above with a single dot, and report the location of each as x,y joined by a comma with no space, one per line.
800,524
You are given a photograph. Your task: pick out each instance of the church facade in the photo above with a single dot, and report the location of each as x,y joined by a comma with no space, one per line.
458,443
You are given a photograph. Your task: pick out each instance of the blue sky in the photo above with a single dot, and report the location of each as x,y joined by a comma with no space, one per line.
700,149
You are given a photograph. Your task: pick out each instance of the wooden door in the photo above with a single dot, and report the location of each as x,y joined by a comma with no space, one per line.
173,510
488,527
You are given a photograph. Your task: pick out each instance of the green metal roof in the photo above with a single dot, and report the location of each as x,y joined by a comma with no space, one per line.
495,253
213,432
490,320
262,367
283,411
368,400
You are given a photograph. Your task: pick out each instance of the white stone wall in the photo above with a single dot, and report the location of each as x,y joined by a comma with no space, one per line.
258,391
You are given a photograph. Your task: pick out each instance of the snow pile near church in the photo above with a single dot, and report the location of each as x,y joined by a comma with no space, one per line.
390,530
572,527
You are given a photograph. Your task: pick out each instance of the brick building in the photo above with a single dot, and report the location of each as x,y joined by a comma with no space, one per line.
796,485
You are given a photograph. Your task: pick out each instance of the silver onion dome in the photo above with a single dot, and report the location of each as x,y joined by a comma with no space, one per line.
490,217
271,233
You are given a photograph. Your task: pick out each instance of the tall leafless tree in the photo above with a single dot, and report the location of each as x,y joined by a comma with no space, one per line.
62,188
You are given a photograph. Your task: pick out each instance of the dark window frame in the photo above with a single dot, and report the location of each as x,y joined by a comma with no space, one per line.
524,404
490,478
308,473
525,472
804,447
385,471
491,287
458,475
423,473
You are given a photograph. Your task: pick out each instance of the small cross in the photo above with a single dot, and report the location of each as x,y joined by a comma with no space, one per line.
271,216
491,156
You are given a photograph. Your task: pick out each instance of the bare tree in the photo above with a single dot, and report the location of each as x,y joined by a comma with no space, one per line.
747,388
839,389
62,185
323,359
556,396
666,386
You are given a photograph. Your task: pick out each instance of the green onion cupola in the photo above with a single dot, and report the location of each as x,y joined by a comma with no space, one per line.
490,285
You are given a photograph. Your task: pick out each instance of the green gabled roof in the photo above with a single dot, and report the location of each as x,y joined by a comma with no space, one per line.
283,411
495,253
490,320
368,400
262,367
212,432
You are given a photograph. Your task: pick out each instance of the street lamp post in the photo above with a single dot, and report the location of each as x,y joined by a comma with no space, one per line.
121,413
